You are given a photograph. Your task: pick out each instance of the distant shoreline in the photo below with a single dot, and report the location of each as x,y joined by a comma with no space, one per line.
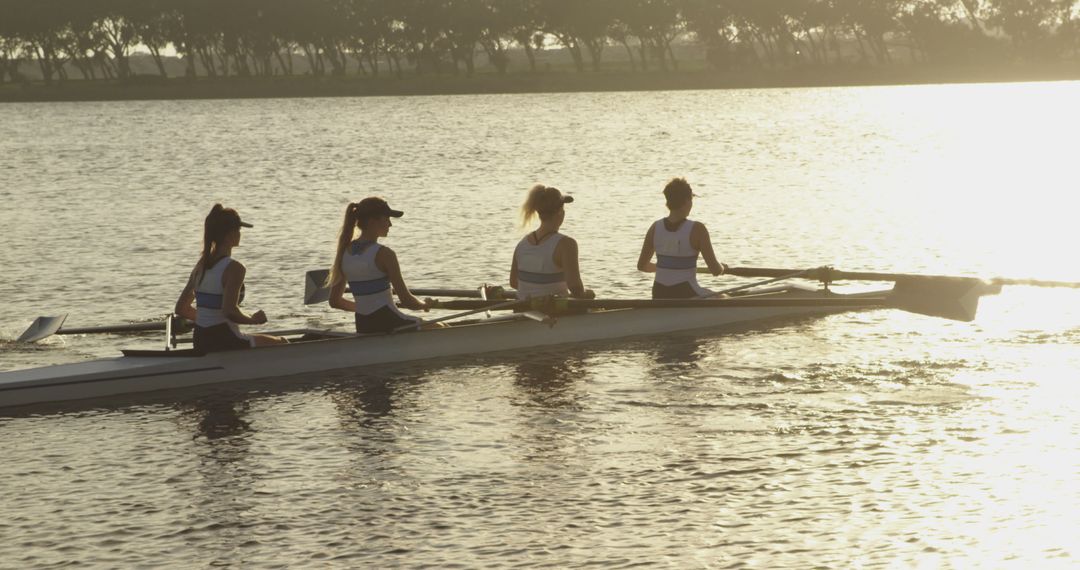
156,88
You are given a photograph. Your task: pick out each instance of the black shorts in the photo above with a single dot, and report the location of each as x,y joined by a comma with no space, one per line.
383,320
218,338
681,291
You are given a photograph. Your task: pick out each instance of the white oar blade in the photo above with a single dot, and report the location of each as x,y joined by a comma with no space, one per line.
540,317
42,327
314,289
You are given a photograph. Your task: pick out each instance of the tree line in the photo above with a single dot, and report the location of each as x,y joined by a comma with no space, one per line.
219,38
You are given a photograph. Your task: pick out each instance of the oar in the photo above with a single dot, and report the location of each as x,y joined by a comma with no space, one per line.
44,327
487,306
760,283
959,304
572,304
943,296
315,290
828,274
1035,282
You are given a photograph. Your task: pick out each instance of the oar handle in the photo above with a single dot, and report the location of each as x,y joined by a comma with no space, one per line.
491,291
316,291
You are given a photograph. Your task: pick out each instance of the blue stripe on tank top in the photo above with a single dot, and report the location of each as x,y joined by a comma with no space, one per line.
208,300
676,262
369,287
541,278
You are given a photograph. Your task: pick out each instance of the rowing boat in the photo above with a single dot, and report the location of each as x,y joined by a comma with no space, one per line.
319,351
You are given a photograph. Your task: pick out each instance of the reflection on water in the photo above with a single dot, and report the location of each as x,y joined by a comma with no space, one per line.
218,417
225,480
549,381
859,440
677,354
367,403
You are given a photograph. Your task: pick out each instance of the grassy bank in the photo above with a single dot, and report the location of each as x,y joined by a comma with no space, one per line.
148,88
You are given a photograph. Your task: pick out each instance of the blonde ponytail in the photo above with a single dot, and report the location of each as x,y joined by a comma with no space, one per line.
542,202
348,233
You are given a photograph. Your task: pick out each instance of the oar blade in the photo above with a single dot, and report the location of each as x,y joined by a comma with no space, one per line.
42,327
954,298
315,290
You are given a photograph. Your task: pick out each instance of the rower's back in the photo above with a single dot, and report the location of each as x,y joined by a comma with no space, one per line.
370,286
538,275
210,295
676,261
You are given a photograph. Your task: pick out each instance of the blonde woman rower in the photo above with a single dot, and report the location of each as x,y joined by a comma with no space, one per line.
546,261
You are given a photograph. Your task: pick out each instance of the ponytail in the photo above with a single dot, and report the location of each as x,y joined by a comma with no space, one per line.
542,202
348,232
213,234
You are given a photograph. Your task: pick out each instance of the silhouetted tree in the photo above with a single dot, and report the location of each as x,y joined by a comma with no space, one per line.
712,23
263,37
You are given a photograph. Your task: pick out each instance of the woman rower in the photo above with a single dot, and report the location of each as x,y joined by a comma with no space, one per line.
677,240
546,261
370,269
216,286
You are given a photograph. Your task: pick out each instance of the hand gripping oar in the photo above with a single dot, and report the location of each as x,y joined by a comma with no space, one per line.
316,291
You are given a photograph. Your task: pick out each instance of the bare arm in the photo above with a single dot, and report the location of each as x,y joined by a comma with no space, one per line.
568,260
230,303
386,260
699,240
184,306
645,262
514,274
337,297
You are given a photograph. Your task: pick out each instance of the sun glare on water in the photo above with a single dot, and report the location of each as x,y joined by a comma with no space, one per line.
987,174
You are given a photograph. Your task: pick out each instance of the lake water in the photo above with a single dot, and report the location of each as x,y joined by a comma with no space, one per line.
874,439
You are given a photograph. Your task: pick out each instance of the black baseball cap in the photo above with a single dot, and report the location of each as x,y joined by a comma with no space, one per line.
376,207
226,217
234,219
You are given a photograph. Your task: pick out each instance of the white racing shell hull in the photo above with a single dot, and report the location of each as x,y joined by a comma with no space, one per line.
133,374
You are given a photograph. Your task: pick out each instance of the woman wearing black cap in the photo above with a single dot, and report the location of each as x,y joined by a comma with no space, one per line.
546,261
216,286
677,241
370,269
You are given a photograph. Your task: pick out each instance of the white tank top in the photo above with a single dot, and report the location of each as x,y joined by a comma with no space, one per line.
370,286
210,295
676,259
536,270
